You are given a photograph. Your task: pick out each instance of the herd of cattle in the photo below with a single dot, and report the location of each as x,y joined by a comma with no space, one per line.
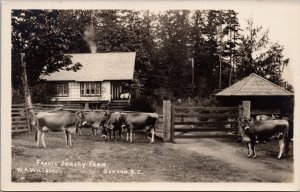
106,122
109,123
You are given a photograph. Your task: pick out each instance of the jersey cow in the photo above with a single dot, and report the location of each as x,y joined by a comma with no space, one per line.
132,122
57,121
139,121
94,119
253,130
113,124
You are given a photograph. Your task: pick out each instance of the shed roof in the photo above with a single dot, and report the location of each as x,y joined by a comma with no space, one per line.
254,85
98,67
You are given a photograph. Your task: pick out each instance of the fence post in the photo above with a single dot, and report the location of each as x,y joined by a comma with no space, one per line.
167,120
172,122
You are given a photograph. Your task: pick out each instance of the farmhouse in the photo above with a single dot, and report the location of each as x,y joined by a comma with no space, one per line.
265,96
101,80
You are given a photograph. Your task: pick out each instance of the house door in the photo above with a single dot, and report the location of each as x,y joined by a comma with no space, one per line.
116,90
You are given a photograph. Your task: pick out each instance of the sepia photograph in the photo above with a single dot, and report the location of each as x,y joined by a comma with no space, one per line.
158,95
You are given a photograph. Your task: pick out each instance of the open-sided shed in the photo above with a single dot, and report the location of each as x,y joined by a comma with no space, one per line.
265,96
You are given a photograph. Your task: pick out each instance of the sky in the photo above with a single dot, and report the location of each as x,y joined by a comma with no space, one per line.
283,22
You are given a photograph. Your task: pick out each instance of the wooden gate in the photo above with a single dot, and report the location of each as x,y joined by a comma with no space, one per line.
19,118
202,122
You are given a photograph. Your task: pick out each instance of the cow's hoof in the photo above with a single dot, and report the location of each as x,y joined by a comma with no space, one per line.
254,157
249,156
278,158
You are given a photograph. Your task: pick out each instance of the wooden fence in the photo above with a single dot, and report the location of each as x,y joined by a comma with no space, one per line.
202,122
19,118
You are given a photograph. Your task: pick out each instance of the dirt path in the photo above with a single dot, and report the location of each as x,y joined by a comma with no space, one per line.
261,168
202,160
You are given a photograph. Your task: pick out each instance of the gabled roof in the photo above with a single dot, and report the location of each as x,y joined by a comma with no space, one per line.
254,85
98,67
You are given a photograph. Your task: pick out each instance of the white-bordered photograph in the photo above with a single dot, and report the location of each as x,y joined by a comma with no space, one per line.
158,95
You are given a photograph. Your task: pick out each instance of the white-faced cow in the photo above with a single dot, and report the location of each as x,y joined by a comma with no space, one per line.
93,119
253,130
139,121
57,121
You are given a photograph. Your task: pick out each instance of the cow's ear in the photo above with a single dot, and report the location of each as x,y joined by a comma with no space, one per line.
251,119
241,119
79,114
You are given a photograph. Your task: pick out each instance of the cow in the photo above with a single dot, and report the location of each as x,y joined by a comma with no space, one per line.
113,124
94,119
56,121
139,121
252,130
264,117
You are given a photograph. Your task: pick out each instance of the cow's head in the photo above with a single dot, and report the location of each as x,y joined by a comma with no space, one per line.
245,126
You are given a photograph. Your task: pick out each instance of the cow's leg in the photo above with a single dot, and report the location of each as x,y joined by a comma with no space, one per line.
152,135
79,129
70,139
43,139
281,147
38,138
114,132
249,150
93,131
127,138
130,134
66,138
253,148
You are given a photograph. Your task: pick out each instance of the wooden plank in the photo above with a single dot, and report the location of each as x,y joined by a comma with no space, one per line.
210,108
19,130
19,122
206,115
18,113
19,117
265,111
21,125
203,129
205,122
18,109
204,136
18,105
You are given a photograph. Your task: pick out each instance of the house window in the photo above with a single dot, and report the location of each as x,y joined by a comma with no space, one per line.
62,89
90,89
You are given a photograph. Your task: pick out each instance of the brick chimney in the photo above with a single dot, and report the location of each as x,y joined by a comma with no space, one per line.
93,49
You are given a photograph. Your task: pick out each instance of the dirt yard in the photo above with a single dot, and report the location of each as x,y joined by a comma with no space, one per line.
92,159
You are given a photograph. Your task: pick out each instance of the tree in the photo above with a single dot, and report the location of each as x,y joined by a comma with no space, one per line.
45,36
258,55
124,31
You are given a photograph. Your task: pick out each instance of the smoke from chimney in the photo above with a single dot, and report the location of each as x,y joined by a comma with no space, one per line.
89,37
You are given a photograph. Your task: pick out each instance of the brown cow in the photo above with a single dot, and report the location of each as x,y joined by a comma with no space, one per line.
253,130
94,119
56,122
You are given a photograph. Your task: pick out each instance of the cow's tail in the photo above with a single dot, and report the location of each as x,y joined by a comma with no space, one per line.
287,142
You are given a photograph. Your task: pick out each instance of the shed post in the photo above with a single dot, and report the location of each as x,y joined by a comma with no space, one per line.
167,120
246,109
239,124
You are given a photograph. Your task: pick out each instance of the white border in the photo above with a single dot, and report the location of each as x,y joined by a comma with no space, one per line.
256,6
